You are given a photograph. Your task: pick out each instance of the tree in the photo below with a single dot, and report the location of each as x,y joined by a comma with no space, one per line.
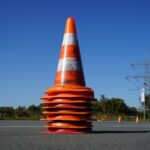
113,106
34,111
21,112
147,104
132,111
118,106
7,112
96,107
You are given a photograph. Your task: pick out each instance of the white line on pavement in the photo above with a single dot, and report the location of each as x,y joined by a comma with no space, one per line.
21,126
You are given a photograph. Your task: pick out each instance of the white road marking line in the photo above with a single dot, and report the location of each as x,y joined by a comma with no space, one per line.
126,126
132,126
21,126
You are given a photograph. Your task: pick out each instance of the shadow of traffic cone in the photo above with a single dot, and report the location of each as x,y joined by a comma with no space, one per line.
68,102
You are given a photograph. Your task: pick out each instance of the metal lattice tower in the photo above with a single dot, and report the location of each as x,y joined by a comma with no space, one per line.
146,77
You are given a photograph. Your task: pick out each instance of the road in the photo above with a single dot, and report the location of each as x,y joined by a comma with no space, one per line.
25,135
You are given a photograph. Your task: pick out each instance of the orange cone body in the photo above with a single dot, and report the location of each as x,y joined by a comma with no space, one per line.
68,102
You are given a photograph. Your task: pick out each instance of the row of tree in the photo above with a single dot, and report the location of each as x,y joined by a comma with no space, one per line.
110,108
31,112
106,108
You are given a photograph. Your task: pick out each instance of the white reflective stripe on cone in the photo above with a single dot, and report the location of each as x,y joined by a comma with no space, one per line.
69,64
70,39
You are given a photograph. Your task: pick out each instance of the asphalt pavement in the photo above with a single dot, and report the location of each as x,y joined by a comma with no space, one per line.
25,135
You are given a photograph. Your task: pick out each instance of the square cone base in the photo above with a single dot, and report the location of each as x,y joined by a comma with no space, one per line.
67,131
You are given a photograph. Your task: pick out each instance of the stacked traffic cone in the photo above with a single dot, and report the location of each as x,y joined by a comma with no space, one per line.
68,102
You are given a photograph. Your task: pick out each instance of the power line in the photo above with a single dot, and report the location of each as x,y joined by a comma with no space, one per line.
145,76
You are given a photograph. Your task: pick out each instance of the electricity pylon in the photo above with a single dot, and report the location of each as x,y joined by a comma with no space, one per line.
146,77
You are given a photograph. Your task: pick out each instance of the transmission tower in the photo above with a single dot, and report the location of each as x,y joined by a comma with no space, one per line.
145,76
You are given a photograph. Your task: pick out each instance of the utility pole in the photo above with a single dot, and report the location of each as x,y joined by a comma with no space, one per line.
146,77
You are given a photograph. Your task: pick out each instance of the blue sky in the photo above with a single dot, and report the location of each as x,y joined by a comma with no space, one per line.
112,34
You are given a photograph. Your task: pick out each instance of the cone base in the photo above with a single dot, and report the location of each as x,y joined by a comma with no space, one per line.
66,131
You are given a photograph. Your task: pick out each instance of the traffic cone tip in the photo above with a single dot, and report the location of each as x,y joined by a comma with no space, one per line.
70,25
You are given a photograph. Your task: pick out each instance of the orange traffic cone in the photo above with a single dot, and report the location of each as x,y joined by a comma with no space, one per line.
68,102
